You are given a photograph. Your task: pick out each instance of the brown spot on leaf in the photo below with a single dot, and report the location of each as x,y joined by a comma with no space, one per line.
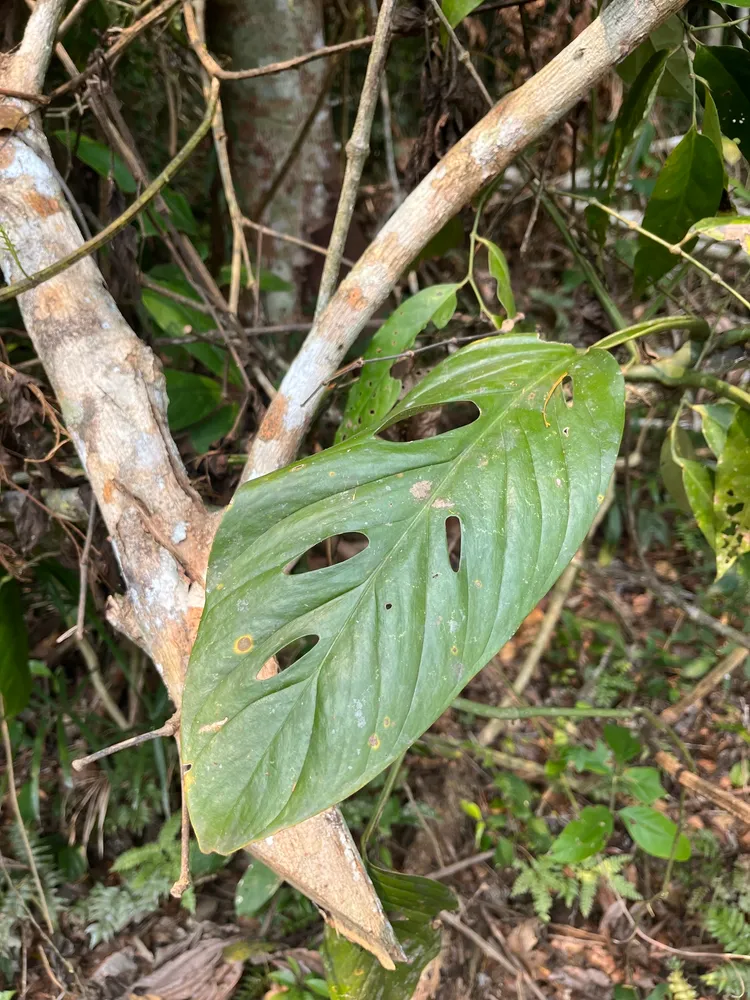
243,644
273,423
41,204
374,741
214,727
421,489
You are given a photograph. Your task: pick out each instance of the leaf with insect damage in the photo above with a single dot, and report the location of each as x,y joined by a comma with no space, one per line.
391,635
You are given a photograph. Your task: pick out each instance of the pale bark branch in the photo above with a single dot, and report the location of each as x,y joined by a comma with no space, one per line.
519,119
113,401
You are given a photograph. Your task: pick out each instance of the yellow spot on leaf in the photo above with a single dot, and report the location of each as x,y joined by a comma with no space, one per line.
549,396
374,741
387,722
331,473
243,644
478,584
454,650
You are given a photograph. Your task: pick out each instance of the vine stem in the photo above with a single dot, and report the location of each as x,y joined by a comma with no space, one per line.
110,231
673,248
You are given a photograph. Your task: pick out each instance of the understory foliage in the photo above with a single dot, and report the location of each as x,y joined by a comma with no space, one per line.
560,376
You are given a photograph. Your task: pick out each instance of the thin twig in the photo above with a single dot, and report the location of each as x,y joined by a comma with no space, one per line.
295,240
184,880
357,151
705,686
212,67
24,95
674,248
459,866
240,252
463,55
169,728
125,38
690,380
91,660
91,246
83,570
19,819
484,946
69,20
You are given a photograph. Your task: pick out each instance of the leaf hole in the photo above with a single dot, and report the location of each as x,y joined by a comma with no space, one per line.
289,654
567,390
388,606
735,508
432,421
332,550
453,541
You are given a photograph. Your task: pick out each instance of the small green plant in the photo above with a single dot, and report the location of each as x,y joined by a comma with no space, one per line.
545,878
508,820
727,919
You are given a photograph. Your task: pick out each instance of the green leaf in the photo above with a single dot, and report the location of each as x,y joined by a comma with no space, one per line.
732,497
375,392
654,832
699,489
734,228
254,889
100,158
634,110
400,632
15,677
688,188
670,466
180,210
625,993
500,272
675,82
584,836
716,419
621,742
594,761
712,128
643,783
172,317
216,425
191,398
457,10
726,69
413,904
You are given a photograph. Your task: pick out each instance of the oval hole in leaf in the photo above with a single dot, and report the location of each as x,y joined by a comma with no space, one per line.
432,421
453,541
335,549
290,653
567,390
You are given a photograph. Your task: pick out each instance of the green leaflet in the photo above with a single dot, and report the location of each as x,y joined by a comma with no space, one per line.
413,903
15,678
675,83
732,497
457,10
635,108
191,397
399,631
735,228
584,836
654,832
501,273
716,419
712,128
376,390
726,69
688,188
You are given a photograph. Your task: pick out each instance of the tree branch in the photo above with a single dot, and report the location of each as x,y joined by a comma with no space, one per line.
485,151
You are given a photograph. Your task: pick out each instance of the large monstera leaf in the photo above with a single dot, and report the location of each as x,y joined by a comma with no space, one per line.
399,631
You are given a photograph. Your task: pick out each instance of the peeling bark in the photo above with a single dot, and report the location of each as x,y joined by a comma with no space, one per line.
263,119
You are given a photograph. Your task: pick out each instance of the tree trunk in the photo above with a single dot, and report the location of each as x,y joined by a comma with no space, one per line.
264,117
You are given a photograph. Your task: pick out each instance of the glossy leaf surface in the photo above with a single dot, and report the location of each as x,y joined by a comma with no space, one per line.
376,390
400,632
688,188
726,69
413,903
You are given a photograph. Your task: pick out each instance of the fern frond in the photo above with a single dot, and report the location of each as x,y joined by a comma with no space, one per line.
730,928
732,978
